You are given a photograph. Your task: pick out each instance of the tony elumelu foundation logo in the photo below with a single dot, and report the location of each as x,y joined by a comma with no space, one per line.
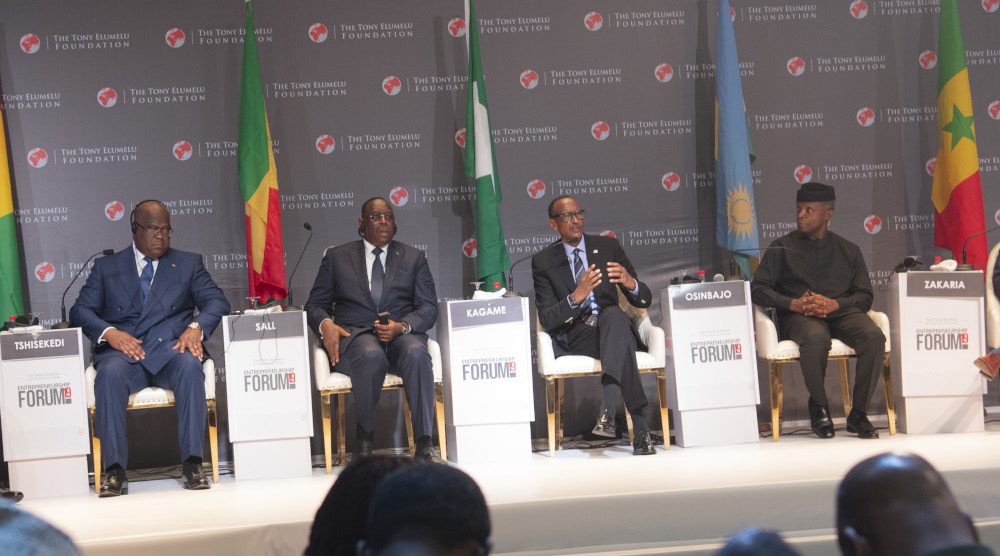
779,13
865,116
399,196
391,85
803,174
41,214
528,244
182,150
37,157
990,6
670,181
636,20
796,66
325,144
318,32
536,189
859,9
571,77
45,271
456,27
856,63
927,59
872,224
223,36
114,211
856,171
907,7
30,43
306,89
590,185
460,138
374,31
675,235
783,121
322,200
164,94
664,72
175,38
527,134
16,102
469,248
107,97
513,25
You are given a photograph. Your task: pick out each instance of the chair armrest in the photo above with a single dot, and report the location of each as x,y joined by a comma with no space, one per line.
208,367
656,342
321,366
767,333
435,351
90,376
882,321
546,356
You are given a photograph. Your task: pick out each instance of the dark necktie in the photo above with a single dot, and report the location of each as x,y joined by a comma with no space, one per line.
146,278
377,273
577,265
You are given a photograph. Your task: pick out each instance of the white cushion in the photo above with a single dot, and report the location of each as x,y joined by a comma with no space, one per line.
340,381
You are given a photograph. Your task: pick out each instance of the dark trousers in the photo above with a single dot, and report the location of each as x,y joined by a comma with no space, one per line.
368,362
854,328
117,379
613,342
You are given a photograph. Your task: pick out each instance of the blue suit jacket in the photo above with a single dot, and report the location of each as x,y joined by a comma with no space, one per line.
408,292
112,297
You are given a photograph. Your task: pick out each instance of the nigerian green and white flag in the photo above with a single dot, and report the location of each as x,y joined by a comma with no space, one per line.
480,163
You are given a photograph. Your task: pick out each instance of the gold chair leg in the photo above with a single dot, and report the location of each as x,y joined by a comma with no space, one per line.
340,402
439,407
890,404
845,387
560,394
96,447
324,399
213,437
550,411
409,424
776,395
661,387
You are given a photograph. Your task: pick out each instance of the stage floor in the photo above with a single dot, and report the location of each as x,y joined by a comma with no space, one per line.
587,501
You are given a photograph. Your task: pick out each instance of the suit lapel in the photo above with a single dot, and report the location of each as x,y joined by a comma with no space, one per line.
129,275
358,258
561,267
392,258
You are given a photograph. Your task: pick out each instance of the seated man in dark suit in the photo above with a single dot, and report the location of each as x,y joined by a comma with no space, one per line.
357,281
579,309
137,308
899,504
819,284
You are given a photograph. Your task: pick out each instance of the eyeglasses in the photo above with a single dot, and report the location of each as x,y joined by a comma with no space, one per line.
375,217
569,216
167,232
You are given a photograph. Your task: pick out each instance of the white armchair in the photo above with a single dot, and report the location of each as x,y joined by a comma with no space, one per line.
556,369
337,385
992,305
786,351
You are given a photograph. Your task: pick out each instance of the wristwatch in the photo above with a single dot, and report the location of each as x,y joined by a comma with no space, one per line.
406,327
194,325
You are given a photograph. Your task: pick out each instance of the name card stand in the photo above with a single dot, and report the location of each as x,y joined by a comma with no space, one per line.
936,326
43,411
712,371
488,401
269,397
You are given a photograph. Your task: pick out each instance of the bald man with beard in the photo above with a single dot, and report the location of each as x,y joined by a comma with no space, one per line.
898,504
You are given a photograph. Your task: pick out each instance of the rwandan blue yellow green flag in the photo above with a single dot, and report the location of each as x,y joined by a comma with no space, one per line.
736,228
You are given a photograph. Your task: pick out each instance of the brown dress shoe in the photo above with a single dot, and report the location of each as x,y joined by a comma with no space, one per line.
988,365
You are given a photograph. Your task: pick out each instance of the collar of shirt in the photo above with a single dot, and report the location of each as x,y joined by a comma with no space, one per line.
582,246
370,258
141,264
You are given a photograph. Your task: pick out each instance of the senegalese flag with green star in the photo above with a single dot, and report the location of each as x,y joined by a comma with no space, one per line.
957,193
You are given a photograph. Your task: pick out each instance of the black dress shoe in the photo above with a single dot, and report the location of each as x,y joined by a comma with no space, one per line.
822,425
114,483
605,424
423,452
858,423
14,496
642,445
193,477
363,447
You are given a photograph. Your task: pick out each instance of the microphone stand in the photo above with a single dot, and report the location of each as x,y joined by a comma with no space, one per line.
65,323
966,266
290,306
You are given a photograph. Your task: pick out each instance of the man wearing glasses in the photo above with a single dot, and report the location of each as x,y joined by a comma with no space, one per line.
356,282
576,293
137,308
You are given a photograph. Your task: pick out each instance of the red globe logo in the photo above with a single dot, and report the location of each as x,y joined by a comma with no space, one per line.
325,144
456,27
37,157
399,196
803,174
866,117
469,248
318,32
529,79
183,150
391,85
670,181
175,38
608,233
991,6
664,72
45,272
928,59
107,97
600,130
114,211
859,9
593,21
873,224
30,43
796,66
536,189
996,216
994,108
460,138
931,166
732,14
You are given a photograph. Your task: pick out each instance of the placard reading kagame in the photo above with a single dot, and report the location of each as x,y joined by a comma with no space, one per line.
267,376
